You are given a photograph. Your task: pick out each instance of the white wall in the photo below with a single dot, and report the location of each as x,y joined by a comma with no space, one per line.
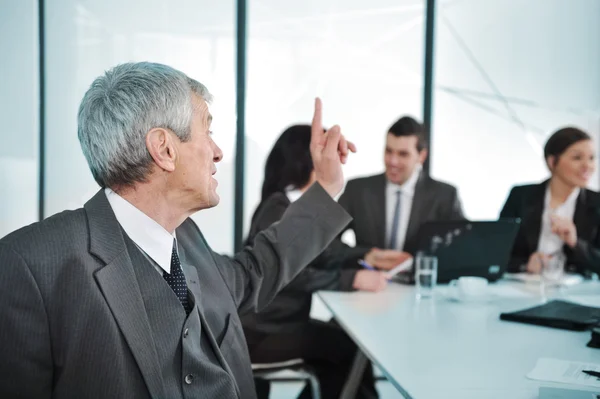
364,59
84,38
508,73
19,111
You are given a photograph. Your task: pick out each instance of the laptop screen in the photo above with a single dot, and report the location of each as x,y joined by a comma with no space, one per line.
465,248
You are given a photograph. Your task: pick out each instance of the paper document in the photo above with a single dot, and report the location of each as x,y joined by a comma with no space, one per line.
567,279
561,393
402,267
565,372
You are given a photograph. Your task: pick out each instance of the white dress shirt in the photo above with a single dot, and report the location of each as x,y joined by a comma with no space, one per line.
549,242
144,231
407,192
293,194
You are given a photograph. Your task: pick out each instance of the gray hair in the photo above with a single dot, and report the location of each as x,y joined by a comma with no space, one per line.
121,107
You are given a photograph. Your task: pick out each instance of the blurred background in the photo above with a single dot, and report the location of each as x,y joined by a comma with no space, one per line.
501,76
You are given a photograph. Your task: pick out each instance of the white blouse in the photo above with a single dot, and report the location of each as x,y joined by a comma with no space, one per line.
549,242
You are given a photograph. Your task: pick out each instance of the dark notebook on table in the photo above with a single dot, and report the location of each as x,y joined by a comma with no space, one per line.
557,314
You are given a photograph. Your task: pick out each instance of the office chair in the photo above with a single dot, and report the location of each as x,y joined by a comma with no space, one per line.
290,370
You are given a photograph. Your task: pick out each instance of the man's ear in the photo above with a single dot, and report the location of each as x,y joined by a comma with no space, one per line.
423,156
161,146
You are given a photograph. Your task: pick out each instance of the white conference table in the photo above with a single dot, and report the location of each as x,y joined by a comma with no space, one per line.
438,348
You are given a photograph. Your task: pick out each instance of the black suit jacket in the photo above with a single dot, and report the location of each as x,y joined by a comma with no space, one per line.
527,203
365,200
290,309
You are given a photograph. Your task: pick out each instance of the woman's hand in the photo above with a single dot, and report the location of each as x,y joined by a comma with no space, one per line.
535,263
565,229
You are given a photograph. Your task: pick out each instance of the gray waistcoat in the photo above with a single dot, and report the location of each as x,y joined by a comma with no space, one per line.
189,366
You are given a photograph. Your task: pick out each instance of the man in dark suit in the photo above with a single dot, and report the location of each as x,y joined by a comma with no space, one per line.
124,298
389,208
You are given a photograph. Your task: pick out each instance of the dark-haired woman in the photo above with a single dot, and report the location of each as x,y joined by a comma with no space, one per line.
559,215
284,330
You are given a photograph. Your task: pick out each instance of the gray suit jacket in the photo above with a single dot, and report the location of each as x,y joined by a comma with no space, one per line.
72,319
365,200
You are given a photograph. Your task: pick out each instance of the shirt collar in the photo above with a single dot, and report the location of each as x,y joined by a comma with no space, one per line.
293,194
569,201
408,188
145,232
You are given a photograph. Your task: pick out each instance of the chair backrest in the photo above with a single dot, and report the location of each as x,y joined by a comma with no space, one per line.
289,370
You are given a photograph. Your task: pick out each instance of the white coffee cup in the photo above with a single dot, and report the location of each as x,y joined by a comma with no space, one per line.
469,287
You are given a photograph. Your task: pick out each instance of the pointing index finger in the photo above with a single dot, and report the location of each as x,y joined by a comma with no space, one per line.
317,122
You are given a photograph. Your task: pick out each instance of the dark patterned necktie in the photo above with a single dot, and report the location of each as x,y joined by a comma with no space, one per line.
176,280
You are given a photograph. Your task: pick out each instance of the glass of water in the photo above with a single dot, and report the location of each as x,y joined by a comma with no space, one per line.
553,269
425,275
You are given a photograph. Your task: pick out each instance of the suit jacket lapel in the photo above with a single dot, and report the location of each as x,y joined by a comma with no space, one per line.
582,216
120,288
376,203
416,212
534,210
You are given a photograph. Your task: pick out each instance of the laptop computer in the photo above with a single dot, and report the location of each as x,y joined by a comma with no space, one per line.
466,248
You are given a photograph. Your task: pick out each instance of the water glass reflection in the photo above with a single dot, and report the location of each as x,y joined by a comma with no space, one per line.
425,275
552,271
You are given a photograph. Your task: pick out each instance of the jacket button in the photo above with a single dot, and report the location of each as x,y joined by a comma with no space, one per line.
189,378
186,332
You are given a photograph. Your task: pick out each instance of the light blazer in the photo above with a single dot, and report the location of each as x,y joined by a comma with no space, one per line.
72,319
365,200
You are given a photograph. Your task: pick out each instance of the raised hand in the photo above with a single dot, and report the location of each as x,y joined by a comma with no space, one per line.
565,229
329,150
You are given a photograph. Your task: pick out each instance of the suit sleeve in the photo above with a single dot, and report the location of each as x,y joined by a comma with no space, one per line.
312,279
511,206
586,253
323,273
26,366
346,203
352,253
271,211
456,211
326,272
256,274
516,264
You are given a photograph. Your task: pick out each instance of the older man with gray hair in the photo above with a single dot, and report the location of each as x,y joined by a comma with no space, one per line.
124,298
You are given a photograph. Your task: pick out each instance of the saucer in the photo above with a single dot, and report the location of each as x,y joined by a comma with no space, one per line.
454,296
